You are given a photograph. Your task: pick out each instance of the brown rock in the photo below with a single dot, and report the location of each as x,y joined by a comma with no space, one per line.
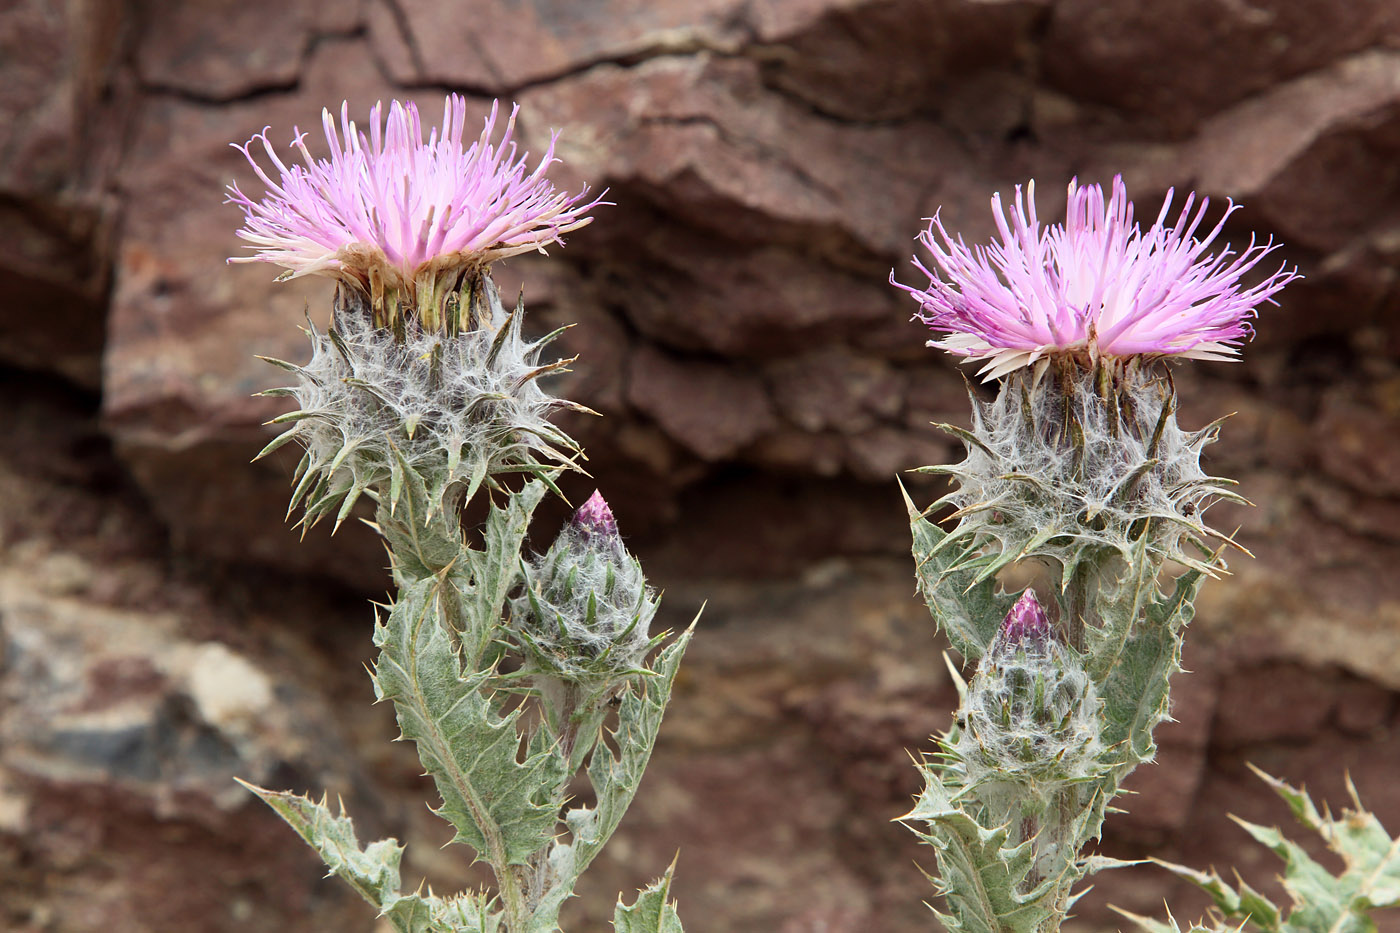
745,302
127,708
53,274
224,50
505,46
884,453
54,258
1362,708
801,452
37,101
881,61
1168,65
770,164
835,389
1271,704
713,409
1358,443
1359,513
712,148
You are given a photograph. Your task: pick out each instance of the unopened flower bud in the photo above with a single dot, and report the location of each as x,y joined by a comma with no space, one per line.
586,611
1031,708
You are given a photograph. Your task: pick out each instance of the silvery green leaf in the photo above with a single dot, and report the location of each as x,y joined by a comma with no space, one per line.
1324,901
615,776
968,611
373,872
495,570
499,804
1135,652
1150,925
981,875
652,912
422,539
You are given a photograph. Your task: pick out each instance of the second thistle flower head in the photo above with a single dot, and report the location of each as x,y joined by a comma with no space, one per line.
1096,286
388,208
594,520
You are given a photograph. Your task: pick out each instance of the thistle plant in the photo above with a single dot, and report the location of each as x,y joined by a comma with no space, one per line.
1078,469
506,670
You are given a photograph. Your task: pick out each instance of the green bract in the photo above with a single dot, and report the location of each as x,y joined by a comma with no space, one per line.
458,409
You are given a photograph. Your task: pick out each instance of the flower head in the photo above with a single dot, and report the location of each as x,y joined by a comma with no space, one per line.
1097,285
594,519
389,205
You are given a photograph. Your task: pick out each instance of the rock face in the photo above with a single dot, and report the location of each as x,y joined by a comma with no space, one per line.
770,163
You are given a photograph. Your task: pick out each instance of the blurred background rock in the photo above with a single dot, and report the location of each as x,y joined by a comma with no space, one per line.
161,628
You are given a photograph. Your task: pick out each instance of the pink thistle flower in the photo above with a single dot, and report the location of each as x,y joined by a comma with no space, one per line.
1098,284
393,204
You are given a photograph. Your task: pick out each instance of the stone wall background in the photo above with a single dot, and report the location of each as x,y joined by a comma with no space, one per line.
162,630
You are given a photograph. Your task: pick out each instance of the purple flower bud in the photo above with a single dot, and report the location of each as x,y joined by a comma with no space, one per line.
1025,623
594,519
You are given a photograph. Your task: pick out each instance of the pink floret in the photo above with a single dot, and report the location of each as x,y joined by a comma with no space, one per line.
1025,622
595,518
1097,284
394,201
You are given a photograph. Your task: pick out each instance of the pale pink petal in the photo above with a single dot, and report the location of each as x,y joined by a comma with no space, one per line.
1097,283
409,202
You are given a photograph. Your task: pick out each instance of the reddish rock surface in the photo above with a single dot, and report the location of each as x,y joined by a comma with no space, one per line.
761,386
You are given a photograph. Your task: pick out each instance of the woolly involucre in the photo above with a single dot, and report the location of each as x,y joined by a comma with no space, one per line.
1082,465
586,612
1031,716
452,409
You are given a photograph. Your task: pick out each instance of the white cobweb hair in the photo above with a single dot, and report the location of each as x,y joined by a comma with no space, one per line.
1067,462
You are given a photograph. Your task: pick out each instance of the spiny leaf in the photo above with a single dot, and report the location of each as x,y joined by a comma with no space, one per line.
980,875
422,539
497,803
964,602
652,912
615,776
373,872
1171,926
1323,901
495,569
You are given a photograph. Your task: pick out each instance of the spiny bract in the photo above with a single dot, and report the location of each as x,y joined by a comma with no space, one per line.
586,610
451,410
1072,465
